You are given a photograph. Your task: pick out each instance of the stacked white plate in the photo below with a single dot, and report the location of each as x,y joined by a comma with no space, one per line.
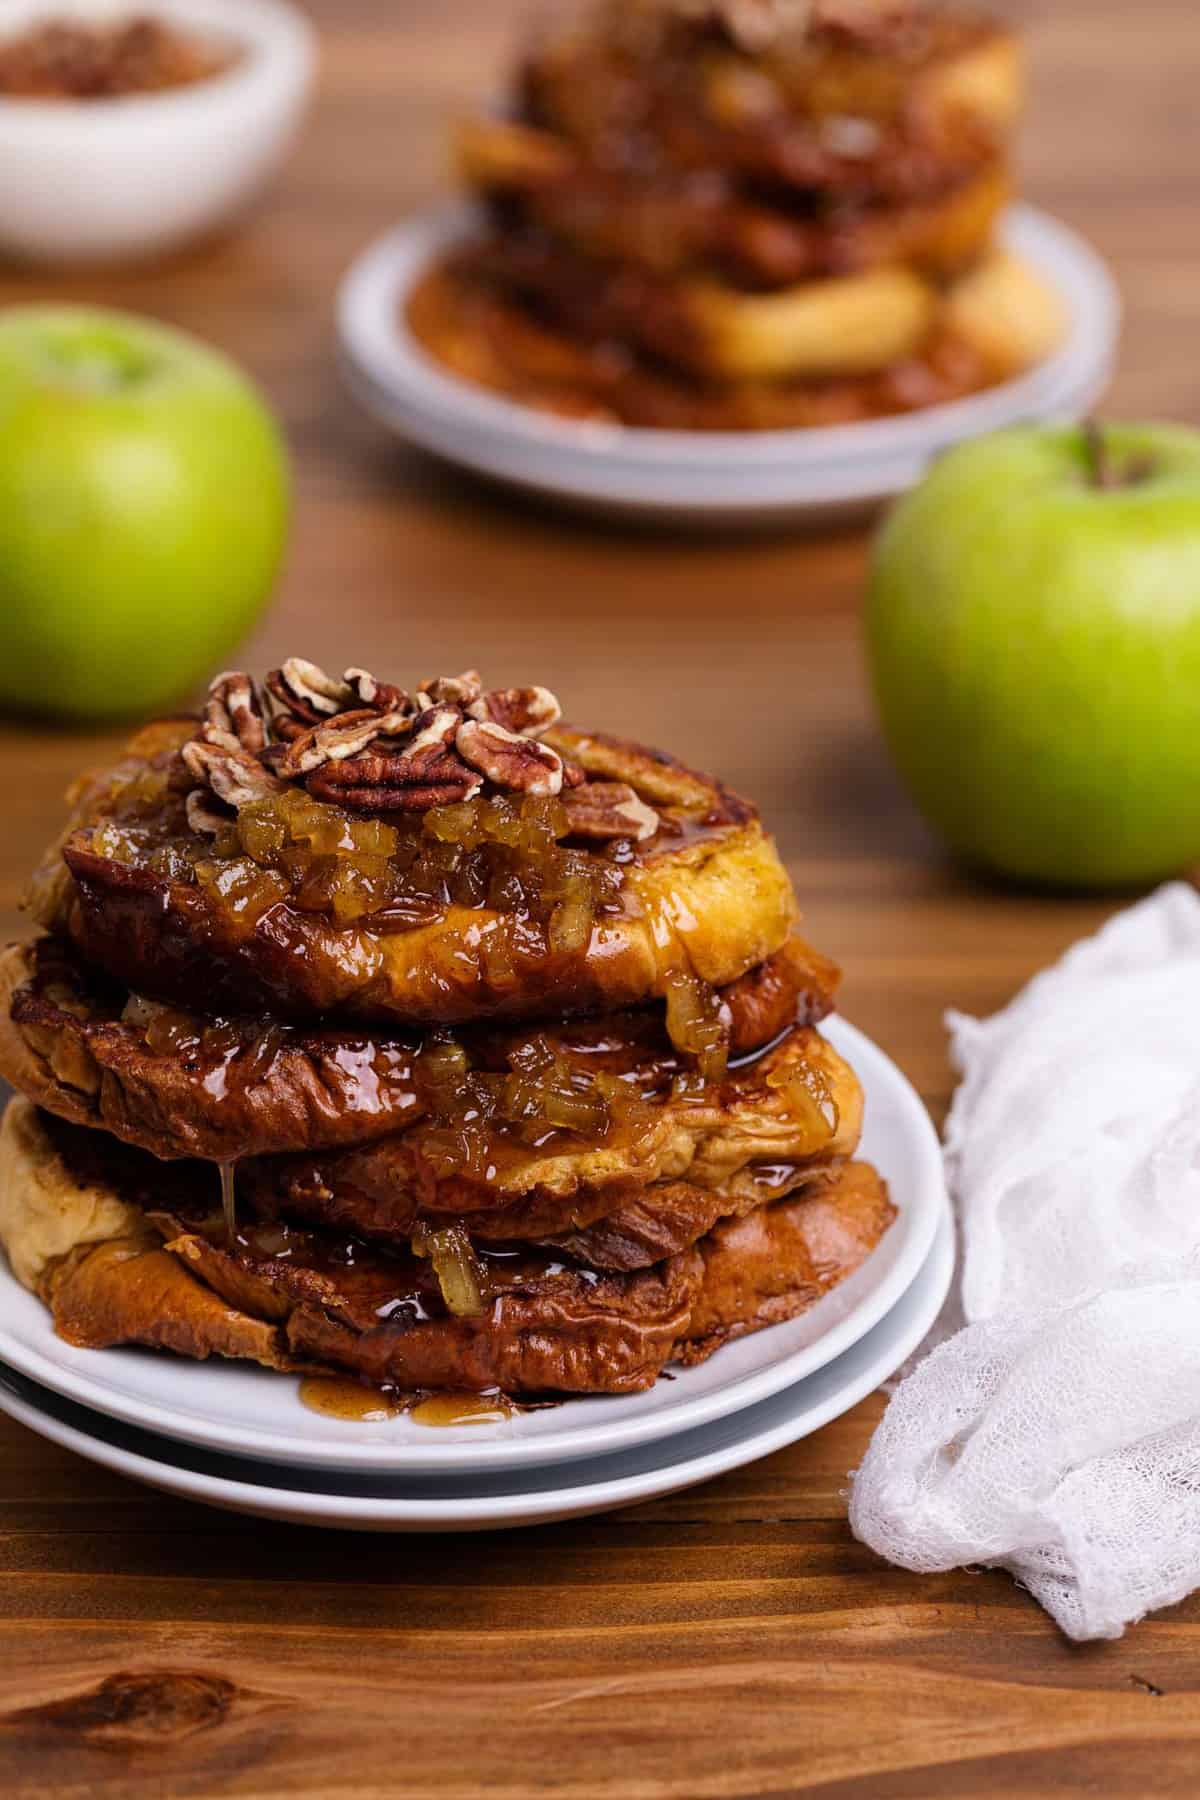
720,477
239,1437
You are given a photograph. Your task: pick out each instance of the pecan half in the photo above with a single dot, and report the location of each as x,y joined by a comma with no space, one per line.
203,816
337,739
528,711
426,772
609,809
233,714
233,775
383,696
454,690
518,763
306,685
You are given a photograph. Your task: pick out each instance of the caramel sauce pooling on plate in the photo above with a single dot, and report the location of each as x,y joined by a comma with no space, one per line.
463,1409
335,1398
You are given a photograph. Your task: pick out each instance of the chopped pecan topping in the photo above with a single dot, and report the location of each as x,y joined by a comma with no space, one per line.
340,738
528,711
609,809
511,761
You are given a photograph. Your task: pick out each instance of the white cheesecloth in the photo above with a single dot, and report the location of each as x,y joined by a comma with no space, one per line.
1057,1435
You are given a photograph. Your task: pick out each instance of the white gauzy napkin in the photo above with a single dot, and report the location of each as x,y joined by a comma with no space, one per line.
1058,1434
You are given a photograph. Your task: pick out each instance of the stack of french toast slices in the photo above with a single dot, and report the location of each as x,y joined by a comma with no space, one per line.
417,1039
744,214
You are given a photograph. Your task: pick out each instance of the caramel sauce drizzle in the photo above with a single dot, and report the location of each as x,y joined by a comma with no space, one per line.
335,1398
229,1201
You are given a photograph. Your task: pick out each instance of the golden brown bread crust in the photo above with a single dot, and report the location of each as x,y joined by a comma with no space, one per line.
133,1291
547,1328
706,895
771,1264
508,344
65,1044
554,1330
538,326
672,227
796,1107
47,1211
177,1085
937,94
674,1215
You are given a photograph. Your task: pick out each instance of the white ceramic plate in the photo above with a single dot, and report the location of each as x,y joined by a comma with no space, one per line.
520,1497
237,1407
713,477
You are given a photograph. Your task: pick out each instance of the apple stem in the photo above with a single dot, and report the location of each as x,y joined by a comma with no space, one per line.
1095,444
1103,472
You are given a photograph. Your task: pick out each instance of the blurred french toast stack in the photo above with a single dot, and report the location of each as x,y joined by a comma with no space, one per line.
744,214
418,1039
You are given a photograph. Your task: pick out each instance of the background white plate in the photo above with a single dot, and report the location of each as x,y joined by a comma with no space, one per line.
522,1497
237,1407
713,477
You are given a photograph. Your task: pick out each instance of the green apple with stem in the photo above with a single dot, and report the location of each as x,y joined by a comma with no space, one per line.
143,511
1033,629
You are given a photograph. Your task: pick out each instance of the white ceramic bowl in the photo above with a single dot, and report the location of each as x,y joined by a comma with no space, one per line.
89,180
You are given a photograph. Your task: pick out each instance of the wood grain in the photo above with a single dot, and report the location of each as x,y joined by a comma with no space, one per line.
733,1641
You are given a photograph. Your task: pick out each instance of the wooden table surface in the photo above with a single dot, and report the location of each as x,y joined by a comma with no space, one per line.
735,1640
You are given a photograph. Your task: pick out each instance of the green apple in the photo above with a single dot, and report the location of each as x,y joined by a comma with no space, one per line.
143,510
1033,623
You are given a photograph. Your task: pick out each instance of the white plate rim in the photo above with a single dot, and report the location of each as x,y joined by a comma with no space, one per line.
868,1363
887,1092
394,377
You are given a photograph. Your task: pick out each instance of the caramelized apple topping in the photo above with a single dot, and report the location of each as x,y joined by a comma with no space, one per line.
460,1273
538,1093
808,1097
502,851
167,1031
698,1023
347,796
